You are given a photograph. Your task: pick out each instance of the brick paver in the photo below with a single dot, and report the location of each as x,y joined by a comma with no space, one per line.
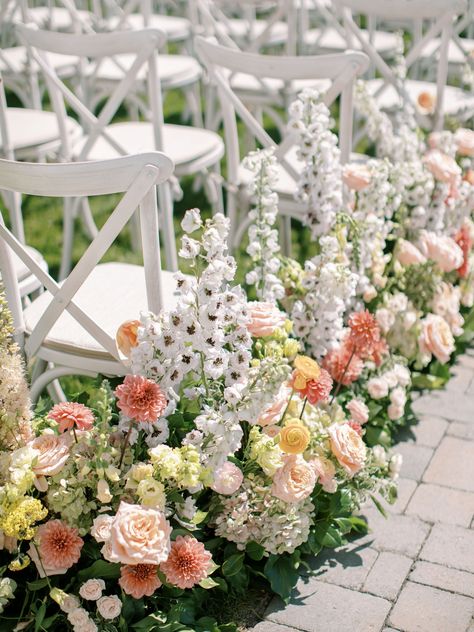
413,572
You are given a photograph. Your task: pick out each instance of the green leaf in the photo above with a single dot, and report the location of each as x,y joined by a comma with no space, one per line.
152,622
100,569
427,380
377,436
359,524
379,506
208,583
328,535
38,584
40,617
233,564
199,516
282,573
255,551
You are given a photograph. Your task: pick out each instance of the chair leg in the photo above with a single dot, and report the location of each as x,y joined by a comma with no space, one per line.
88,219
165,204
68,239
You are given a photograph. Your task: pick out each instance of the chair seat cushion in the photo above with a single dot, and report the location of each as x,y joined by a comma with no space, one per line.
455,99
112,294
249,87
181,143
21,269
14,59
455,55
56,18
329,39
175,28
30,128
243,30
173,70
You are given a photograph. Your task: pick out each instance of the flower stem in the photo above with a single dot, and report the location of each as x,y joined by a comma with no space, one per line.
125,444
304,406
75,435
339,384
287,406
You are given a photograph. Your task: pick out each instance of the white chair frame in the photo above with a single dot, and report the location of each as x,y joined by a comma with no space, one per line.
342,69
134,176
440,12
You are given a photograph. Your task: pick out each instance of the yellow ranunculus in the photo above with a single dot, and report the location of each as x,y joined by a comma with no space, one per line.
306,369
294,438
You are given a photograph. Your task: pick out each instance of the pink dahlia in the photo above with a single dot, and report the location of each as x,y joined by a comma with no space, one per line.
140,580
343,364
140,399
70,415
188,562
364,332
59,545
316,390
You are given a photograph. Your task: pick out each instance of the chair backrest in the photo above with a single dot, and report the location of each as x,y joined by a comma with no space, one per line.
440,13
341,69
139,46
134,176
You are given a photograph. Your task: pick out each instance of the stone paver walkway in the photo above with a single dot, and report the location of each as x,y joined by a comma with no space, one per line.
415,571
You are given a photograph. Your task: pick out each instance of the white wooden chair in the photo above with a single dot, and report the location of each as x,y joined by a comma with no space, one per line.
388,89
338,70
71,326
193,150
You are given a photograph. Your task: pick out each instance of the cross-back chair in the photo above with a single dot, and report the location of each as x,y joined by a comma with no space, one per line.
71,326
192,150
339,72
389,89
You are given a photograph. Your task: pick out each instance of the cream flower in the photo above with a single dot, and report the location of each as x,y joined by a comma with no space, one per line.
348,448
436,338
92,589
295,481
101,527
265,318
109,607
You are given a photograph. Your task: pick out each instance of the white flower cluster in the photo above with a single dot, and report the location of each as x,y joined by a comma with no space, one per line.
254,514
263,245
329,285
391,383
7,590
399,320
320,185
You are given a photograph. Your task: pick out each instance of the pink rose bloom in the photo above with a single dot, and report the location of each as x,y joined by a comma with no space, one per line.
442,250
395,412
408,254
348,448
140,399
272,413
447,303
294,481
188,562
464,139
139,535
443,167
101,526
70,415
59,547
265,318
53,453
436,338
140,580
325,471
377,387
227,479
356,176
358,410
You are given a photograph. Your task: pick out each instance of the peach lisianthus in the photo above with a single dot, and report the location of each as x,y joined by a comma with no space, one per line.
53,452
72,416
140,399
127,336
140,580
441,249
356,176
138,535
358,410
348,448
265,318
294,481
58,547
464,139
443,167
408,254
436,338
188,562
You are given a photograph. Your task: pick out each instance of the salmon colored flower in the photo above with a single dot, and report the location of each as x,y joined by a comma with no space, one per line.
265,318
343,365
188,562
464,241
364,332
294,438
140,399
294,481
306,370
70,415
426,103
139,580
127,336
347,447
59,546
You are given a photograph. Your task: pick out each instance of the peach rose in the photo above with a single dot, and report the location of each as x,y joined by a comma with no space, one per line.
358,410
356,176
109,607
92,589
227,479
265,318
294,481
294,438
348,448
127,336
101,527
436,338
443,167
139,535
442,250
426,103
325,471
464,139
53,452
408,254
274,411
